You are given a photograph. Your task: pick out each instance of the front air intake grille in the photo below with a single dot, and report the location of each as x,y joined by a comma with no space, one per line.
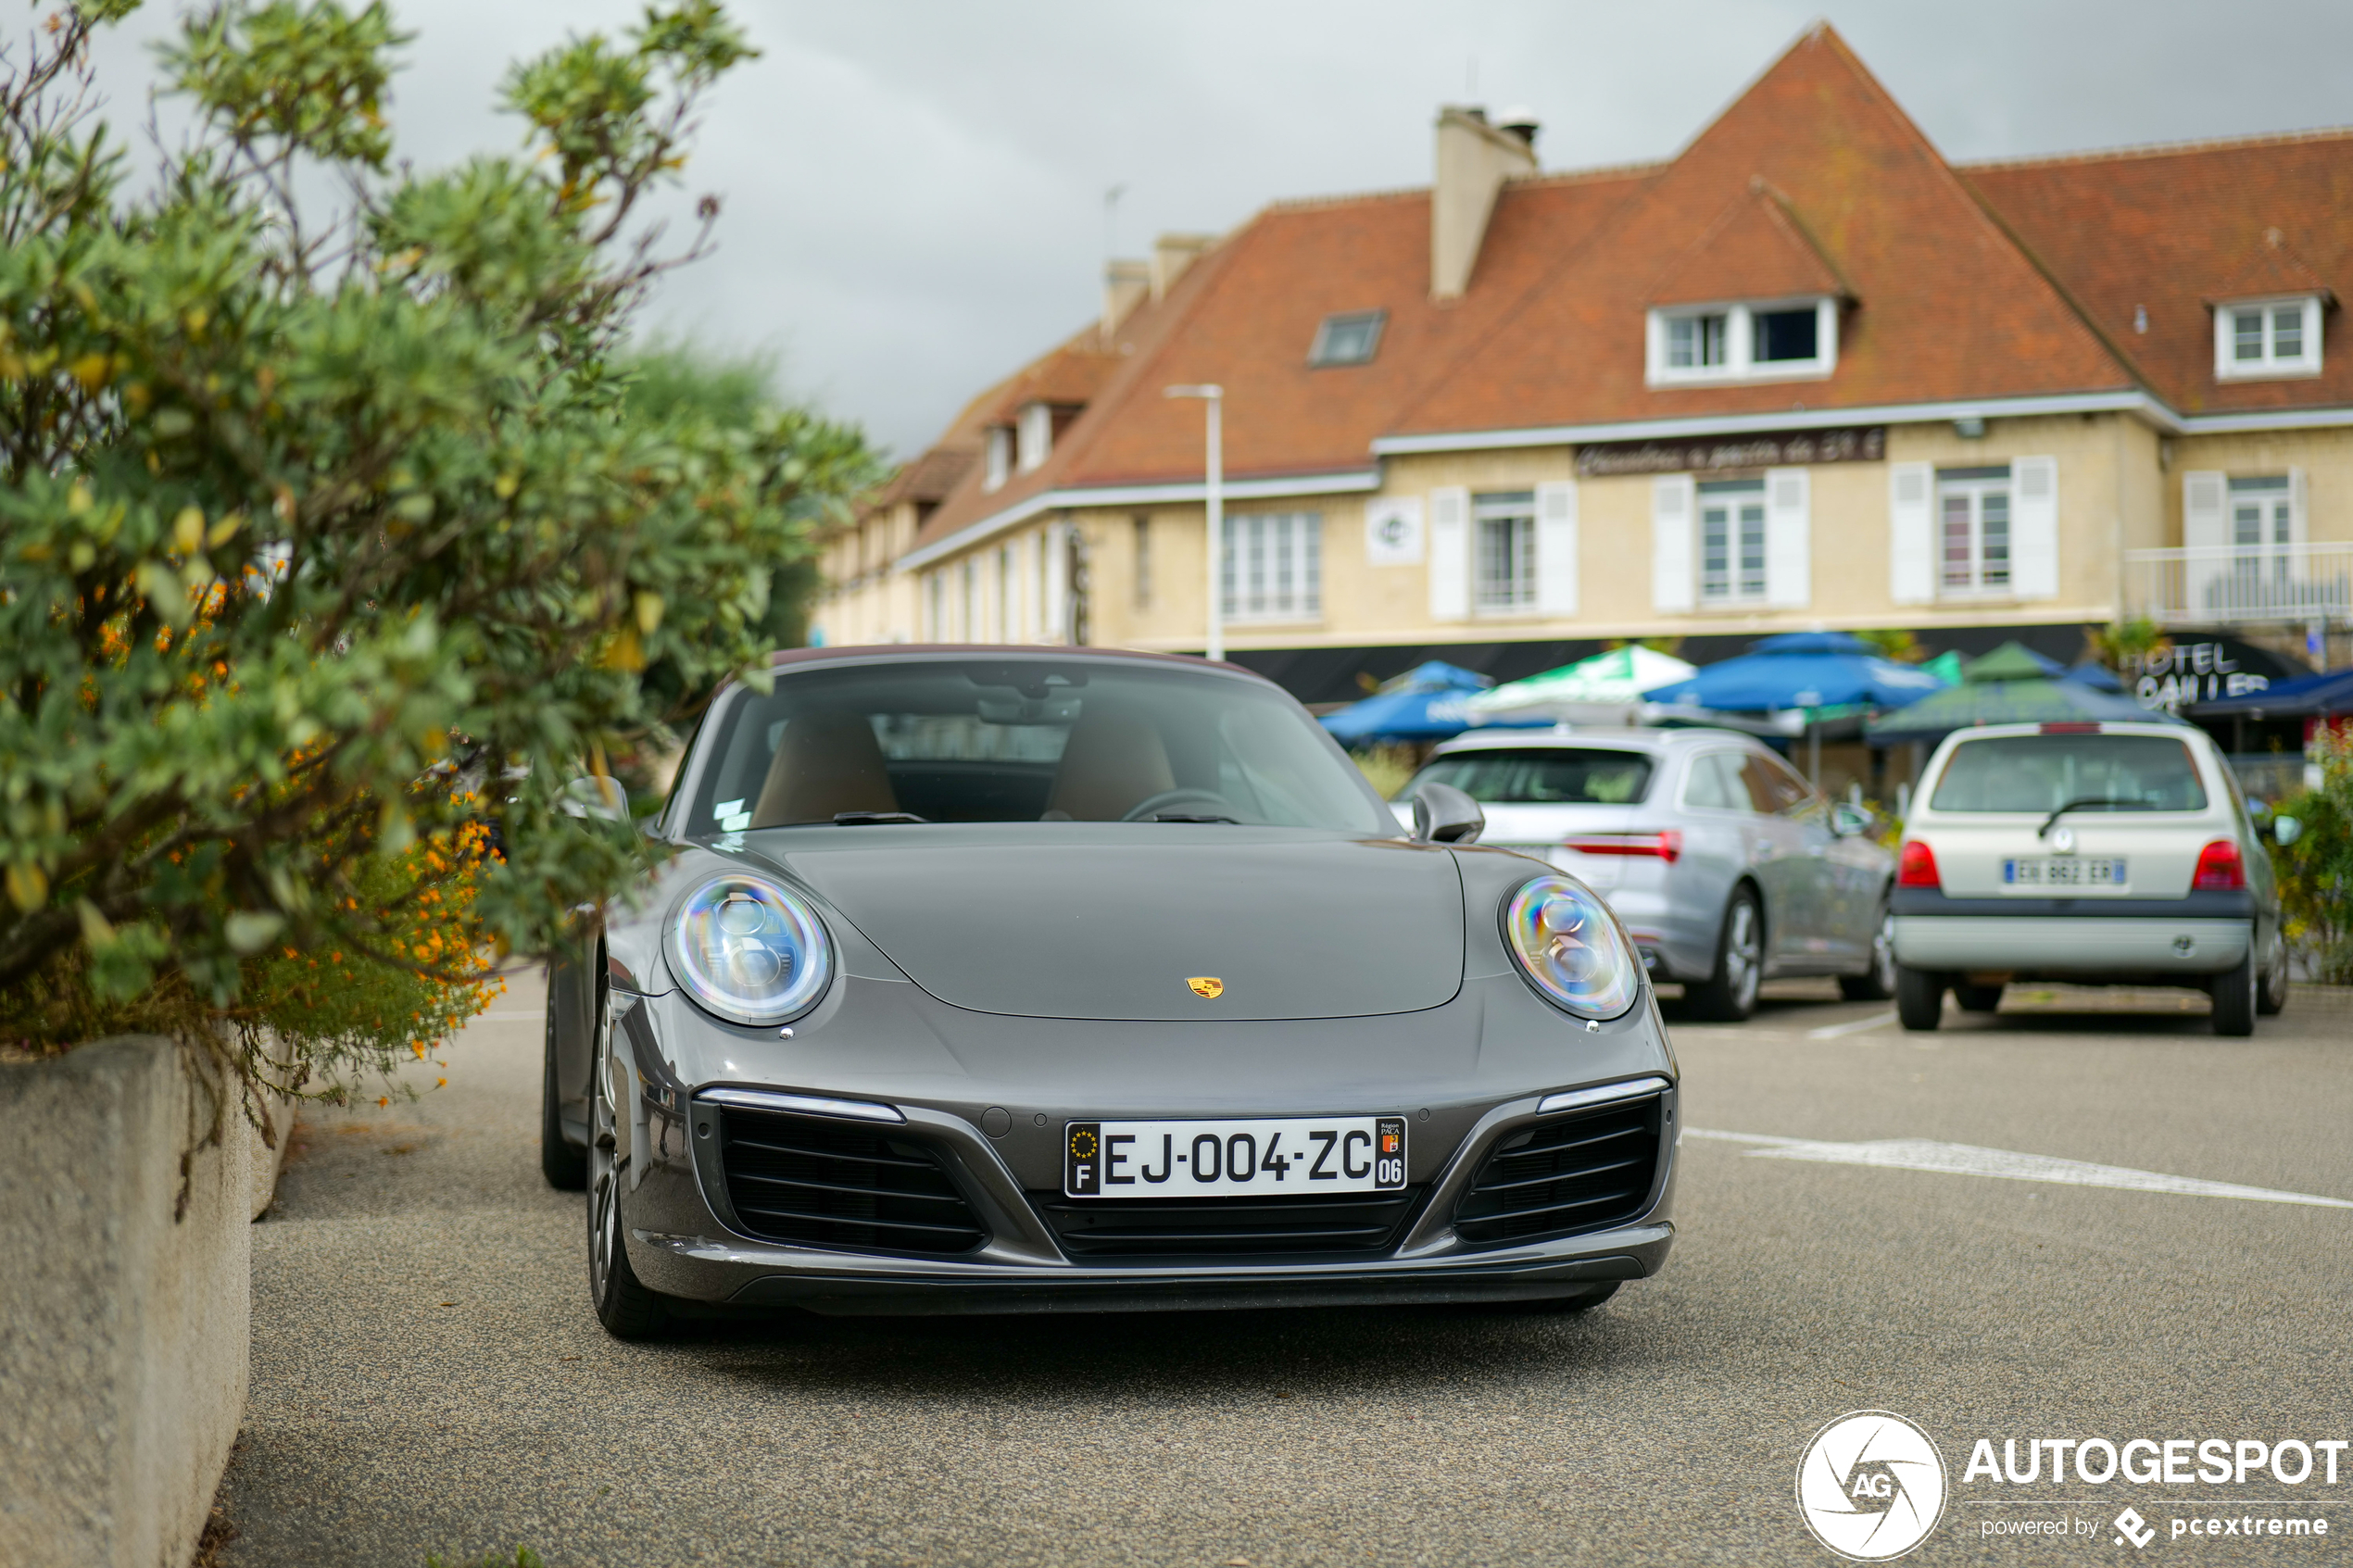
846,1185
1341,1226
1583,1173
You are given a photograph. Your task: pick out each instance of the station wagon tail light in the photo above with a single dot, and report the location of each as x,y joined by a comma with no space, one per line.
1571,947
1915,866
2219,869
1664,844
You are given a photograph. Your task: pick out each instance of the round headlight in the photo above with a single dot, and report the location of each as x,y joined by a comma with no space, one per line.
1569,945
748,951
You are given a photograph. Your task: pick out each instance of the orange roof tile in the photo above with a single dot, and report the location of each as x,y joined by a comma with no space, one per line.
1755,250
2149,238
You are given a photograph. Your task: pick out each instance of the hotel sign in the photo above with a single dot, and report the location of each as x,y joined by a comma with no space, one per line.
1797,448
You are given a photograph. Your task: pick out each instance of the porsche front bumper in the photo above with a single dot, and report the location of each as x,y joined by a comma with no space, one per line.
1023,1267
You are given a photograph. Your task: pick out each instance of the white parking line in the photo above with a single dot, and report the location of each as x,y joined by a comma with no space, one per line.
1853,1026
1964,1160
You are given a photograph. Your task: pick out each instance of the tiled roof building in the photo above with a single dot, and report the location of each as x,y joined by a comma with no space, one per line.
1807,372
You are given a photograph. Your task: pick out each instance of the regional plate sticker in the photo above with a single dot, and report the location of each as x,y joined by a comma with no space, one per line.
1871,1485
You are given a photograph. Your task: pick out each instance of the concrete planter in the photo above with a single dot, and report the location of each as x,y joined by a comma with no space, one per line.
123,1330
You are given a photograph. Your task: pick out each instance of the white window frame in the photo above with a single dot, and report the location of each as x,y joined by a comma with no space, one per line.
1510,514
2270,364
1973,490
1740,363
999,459
1035,436
1322,354
1736,594
1271,568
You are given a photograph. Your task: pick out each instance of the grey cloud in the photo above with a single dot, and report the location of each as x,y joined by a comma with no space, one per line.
914,187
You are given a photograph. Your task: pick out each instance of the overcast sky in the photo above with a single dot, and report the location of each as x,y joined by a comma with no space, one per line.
915,188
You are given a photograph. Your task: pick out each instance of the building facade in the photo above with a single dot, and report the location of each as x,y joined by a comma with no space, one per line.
1807,373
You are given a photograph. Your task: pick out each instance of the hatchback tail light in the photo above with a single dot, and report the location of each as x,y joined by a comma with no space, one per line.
2069,727
2219,869
1916,866
1664,844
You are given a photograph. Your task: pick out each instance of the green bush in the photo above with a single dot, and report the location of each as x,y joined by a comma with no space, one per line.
2316,871
329,539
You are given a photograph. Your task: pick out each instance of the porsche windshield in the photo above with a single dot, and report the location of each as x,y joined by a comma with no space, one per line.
1022,740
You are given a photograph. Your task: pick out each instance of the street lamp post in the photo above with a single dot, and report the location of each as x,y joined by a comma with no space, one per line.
1215,397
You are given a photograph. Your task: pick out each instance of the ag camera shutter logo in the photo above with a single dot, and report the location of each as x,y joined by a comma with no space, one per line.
1870,1486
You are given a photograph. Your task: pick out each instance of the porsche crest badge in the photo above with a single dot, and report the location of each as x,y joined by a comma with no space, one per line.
1206,985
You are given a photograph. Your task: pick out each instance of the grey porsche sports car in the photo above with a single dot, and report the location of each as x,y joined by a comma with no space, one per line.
993,980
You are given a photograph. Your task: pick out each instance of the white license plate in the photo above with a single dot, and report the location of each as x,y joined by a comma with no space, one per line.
1303,1155
2070,872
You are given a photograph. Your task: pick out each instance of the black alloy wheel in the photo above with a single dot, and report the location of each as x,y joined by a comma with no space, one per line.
2235,998
565,1167
1729,996
626,1307
1919,998
1877,983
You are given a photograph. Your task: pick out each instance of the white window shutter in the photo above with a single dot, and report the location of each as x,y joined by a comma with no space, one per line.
2034,546
1450,555
1789,530
1671,508
2206,526
1557,548
2298,511
1911,533
1057,587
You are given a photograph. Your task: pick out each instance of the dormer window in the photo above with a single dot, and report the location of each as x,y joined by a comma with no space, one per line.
1349,339
1774,341
998,461
1036,435
2268,337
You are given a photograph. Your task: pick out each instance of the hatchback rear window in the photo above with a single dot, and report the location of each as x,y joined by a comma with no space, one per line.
1549,776
2045,773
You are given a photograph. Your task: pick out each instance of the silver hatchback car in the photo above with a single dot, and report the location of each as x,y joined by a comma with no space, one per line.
1726,868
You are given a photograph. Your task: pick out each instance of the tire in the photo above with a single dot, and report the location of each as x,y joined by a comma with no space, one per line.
1729,996
1877,983
2270,998
1977,999
565,1166
623,1305
1919,998
2234,999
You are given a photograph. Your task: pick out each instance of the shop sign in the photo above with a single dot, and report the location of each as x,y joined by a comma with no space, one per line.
2167,679
1854,443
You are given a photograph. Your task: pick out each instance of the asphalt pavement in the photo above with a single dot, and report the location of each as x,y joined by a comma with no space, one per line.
427,1376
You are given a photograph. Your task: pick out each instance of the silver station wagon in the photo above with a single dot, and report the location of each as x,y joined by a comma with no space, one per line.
2093,853
1726,866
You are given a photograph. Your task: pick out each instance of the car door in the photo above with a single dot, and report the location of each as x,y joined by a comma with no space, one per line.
1792,842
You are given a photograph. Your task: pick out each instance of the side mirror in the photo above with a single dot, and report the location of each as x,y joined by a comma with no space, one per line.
1850,822
2285,831
596,796
1443,814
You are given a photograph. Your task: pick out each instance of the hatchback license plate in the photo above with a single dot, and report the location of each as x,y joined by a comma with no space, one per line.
2089,871
1302,1155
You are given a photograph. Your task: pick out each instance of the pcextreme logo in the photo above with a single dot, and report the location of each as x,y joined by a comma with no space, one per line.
1870,1486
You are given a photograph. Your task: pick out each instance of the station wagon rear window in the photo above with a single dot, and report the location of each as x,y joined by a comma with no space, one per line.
1546,776
2045,773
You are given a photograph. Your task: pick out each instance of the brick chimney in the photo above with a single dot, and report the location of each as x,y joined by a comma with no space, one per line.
1171,255
1125,284
1473,159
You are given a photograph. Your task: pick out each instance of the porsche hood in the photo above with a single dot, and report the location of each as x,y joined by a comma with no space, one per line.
1150,925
